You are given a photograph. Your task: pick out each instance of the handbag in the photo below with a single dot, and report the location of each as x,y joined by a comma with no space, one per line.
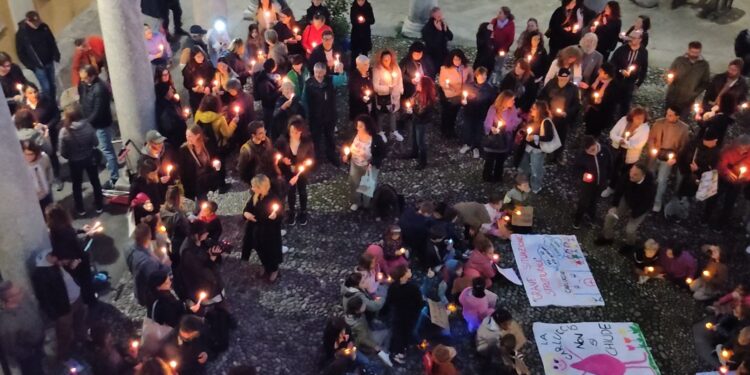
554,144
153,333
367,184
708,185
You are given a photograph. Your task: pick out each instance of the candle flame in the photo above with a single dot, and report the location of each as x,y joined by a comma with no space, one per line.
725,353
501,53
597,95
417,76
277,157
529,130
743,169
308,162
588,177
500,123
723,369
162,229
347,150
170,167
709,325
394,74
200,82
380,276
204,205
689,280
649,269
506,218
236,109
424,345
135,344
275,207
670,156
452,307
186,111
19,87
529,57
495,258
215,82
173,364
361,19
314,44
296,30
670,76
706,273
631,68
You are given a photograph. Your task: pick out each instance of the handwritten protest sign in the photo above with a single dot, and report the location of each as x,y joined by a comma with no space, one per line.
594,349
554,271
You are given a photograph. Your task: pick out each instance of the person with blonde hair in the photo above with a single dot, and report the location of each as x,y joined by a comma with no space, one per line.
646,261
499,126
262,215
388,88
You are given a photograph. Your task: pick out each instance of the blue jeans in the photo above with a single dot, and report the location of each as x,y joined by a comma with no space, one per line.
663,171
419,142
105,145
369,366
46,77
533,164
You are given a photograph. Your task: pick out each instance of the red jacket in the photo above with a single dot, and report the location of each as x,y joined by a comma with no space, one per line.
731,160
502,38
312,35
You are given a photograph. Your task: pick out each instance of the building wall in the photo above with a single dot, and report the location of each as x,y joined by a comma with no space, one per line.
56,13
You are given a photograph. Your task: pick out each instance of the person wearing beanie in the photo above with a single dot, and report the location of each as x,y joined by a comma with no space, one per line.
477,303
699,156
442,356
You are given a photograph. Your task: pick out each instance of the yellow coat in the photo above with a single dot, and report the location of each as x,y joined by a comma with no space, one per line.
222,129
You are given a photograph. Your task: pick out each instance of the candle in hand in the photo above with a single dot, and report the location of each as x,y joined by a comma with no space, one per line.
588,177
670,156
506,218
452,307
308,162
649,269
529,57
654,152
501,53
743,169
575,28
216,163
295,30
347,150
709,326
394,74
186,111
723,370
314,44
170,167
689,280
447,82
200,82
597,96
707,273
631,68
361,19
417,76
176,97
529,130
495,258
236,110
135,344
19,87
173,364
161,48
274,208
201,297
215,83
627,134
670,77
500,124
277,157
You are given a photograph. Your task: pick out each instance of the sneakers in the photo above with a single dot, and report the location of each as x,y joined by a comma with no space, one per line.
302,218
606,193
385,358
657,207
291,219
601,241
382,135
464,149
109,185
397,136
475,153
99,210
354,207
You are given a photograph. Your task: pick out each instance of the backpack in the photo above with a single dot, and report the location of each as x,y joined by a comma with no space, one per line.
387,202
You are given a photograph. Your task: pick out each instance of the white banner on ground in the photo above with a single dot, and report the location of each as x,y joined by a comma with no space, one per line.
554,271
594,349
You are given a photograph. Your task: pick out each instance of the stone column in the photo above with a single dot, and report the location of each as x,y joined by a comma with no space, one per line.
18,9
128,68
419,13
205,12
24,233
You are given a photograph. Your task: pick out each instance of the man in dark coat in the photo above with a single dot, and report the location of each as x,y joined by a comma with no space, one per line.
632,200
266,90
592,168
95,104
328,54
320,98
415,62
730,83
631,64
241,103
436,35
361,17
37,49
563,96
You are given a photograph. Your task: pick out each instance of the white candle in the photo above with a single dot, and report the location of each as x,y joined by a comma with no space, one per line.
217,164
361,19
201,297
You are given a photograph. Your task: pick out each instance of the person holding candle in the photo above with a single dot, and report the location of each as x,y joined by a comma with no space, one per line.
564,98
257,156
200,269
360,83
160,152
338,352
387,90
481,218
37,50
631,200
157,47
267,14
477,303
522,83
288,32
296,148
320,100
234,59
503,29
734,353
362,18
169,115
198,170
207,214
601,101
692,75
174,217
196,76
142,263
313,34
262,214
354,287
287,106
628,138
646,260
668,136
720,119
77,142
436,35
242,105
593,165
369,267
298,74
566,25
317,7
367,152
631,62
148,181
532,49
729,83
677,263
210,116
254,46
266,89
166,309
712,282
454,78
389,252
422,107
221,77
192,345
481,262
591,59
607,26
10,77
331,55
415,65
699,156
404,302
540,128
500,125
734,161
570,58
642,23
481,95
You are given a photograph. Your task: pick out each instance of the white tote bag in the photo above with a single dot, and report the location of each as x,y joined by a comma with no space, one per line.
554,144
367,184
708,186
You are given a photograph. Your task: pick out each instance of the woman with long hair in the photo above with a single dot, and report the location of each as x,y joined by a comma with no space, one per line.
235,59
643,24
366,154
170,118
532,50
211,117
532,25
422,107
628,136
262,215
174,218
198,167
500,126
77,143
566,25
40,169
47,113
539,128
520,81
455,76
297,153
254,44
197,75
388,88
569,57
607,26
289,32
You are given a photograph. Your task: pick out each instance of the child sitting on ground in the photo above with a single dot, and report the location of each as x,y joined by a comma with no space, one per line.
207,214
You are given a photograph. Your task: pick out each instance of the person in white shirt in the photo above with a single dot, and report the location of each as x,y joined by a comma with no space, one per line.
628,136
388,86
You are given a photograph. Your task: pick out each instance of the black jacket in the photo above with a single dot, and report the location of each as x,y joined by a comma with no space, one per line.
560,38
95,103
404,301
361,37
638,197
255,159
167,309
191,74
281,116
409,69
358,86
318,55
436,41
485,48
10,80
197,180
608,34
156,191
598,166
525,90
306,150
198,272
720,123
479,101
738,90
266,89
50,291
320,98
571,94
620,59
46,112
36,47
322,9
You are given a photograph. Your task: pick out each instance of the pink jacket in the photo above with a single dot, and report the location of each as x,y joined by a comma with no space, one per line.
476,309
480,265
385,266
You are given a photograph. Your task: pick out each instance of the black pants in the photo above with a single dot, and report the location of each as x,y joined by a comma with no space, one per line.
726,196
77,167
301,188
448,118
54,134
402,334
248,241
588,196
174,6
626,99
323,134
493,166
620,168
561,125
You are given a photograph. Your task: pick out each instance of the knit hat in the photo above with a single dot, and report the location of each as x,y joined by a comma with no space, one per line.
563,72
443,354
157,278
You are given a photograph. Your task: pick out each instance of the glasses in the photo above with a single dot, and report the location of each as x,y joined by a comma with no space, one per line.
6,65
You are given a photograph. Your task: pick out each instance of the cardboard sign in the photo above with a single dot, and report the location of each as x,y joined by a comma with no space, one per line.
438,314
523,216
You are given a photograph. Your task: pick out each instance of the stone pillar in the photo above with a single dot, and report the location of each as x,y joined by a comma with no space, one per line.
419,13
205,12
129,69
18,9
24,233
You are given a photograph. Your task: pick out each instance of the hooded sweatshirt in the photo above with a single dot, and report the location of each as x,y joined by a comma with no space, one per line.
77,141
221,129
371,305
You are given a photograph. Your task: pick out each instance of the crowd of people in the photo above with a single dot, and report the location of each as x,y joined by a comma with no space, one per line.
517,106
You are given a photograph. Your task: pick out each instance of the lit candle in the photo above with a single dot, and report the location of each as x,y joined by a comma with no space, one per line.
631,68
518,212
389,279
559,111
308,162
424,345
176,97
401,251
500,124
697,108
670,77
529,130
361,19
689,280
217,164
596,24
201,297
135,344
347,150
417,76
447,82
743,169
215,83
670,156
186,111
622,34
654,151
204,205
627,135
452,307
252,63
649,269
200,82
588,177
162,229
161,48
597,96
408,106
173,364
529,57
506,218
495,258
236,109
723,369
466,98
501,53
261,55
300,169
706,273
725,353
380,276
744,105
274,208
170,167
394,74
164,250
575,28
709,326
277,157
295,30
19,87
314,44
267,17
73,370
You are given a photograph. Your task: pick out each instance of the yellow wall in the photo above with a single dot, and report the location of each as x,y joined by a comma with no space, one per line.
56,13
